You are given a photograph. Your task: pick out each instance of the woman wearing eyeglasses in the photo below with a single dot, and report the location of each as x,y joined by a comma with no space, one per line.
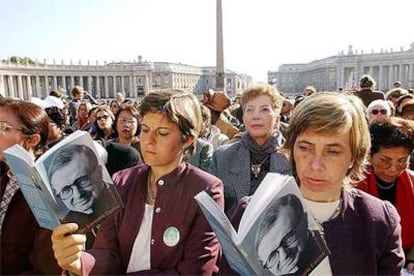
389,178
25,247
128,126
378,111
161,229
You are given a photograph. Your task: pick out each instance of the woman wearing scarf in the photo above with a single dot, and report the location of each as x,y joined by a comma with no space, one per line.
244,164
389,178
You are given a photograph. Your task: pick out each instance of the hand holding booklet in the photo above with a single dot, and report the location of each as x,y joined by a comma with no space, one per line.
68,183
277,234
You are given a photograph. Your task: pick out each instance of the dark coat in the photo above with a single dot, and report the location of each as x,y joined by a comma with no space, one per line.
25,247
367,96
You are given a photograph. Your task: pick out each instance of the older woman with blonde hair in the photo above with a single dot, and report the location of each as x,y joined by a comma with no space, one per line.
242,165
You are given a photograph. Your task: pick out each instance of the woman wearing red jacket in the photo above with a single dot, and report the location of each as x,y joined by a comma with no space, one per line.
389,177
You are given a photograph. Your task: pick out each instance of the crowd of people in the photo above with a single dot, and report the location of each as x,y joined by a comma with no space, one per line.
351,153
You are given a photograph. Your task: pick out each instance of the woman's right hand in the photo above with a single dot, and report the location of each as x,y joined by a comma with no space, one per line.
68,247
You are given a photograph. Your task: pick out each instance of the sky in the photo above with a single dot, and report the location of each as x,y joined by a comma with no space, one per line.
259,35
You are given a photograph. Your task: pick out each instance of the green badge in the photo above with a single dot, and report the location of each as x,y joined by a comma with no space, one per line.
171,236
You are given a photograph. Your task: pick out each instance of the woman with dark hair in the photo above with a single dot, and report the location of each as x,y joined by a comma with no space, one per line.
25,247
161,229
104,121
127,126
389,177
57,125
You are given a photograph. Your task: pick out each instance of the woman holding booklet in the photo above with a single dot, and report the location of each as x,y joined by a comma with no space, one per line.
328,143
25,247
161,229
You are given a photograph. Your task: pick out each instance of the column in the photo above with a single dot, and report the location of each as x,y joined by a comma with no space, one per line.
411,76
38,93
131,87
106,87
381,85
148,81
2,86
400,70
370,70
29,87
114,84
122,84
220,73
390,79
81,81
11,86
98,89
72,83
55,82
90,85
338,78
46,88
20,87
64,82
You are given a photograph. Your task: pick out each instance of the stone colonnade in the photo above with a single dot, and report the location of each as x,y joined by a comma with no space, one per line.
23,85
384,75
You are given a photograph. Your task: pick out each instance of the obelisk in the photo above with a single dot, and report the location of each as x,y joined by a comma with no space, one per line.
219,48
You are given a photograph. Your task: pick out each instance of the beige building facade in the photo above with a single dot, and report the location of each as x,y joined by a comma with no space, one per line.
135,79
344,70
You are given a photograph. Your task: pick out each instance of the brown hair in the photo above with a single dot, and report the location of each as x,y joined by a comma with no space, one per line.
77,90
33,119
327,113
181,108
134,112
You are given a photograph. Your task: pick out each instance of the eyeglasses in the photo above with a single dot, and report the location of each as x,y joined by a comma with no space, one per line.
288,244
385,163
125,121
4,127
376,111
105,117
81,183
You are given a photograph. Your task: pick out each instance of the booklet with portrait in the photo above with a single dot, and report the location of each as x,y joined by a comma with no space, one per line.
276,235
67,183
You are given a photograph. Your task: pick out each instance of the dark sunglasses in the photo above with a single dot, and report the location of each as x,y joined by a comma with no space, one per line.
376,111
105,117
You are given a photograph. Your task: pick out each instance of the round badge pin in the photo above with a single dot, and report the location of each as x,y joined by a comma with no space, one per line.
171,236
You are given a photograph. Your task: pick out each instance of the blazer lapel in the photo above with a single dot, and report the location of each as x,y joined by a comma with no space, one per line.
241,170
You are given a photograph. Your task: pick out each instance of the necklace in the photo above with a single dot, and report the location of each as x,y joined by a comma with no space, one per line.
382,187
322,219
256,169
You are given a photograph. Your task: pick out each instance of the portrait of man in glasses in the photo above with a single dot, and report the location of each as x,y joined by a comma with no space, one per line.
284,243
76,179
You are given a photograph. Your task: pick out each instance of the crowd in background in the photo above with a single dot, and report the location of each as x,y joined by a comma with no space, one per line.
235,142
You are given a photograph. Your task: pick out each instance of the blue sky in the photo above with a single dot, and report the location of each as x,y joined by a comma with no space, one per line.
259,35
